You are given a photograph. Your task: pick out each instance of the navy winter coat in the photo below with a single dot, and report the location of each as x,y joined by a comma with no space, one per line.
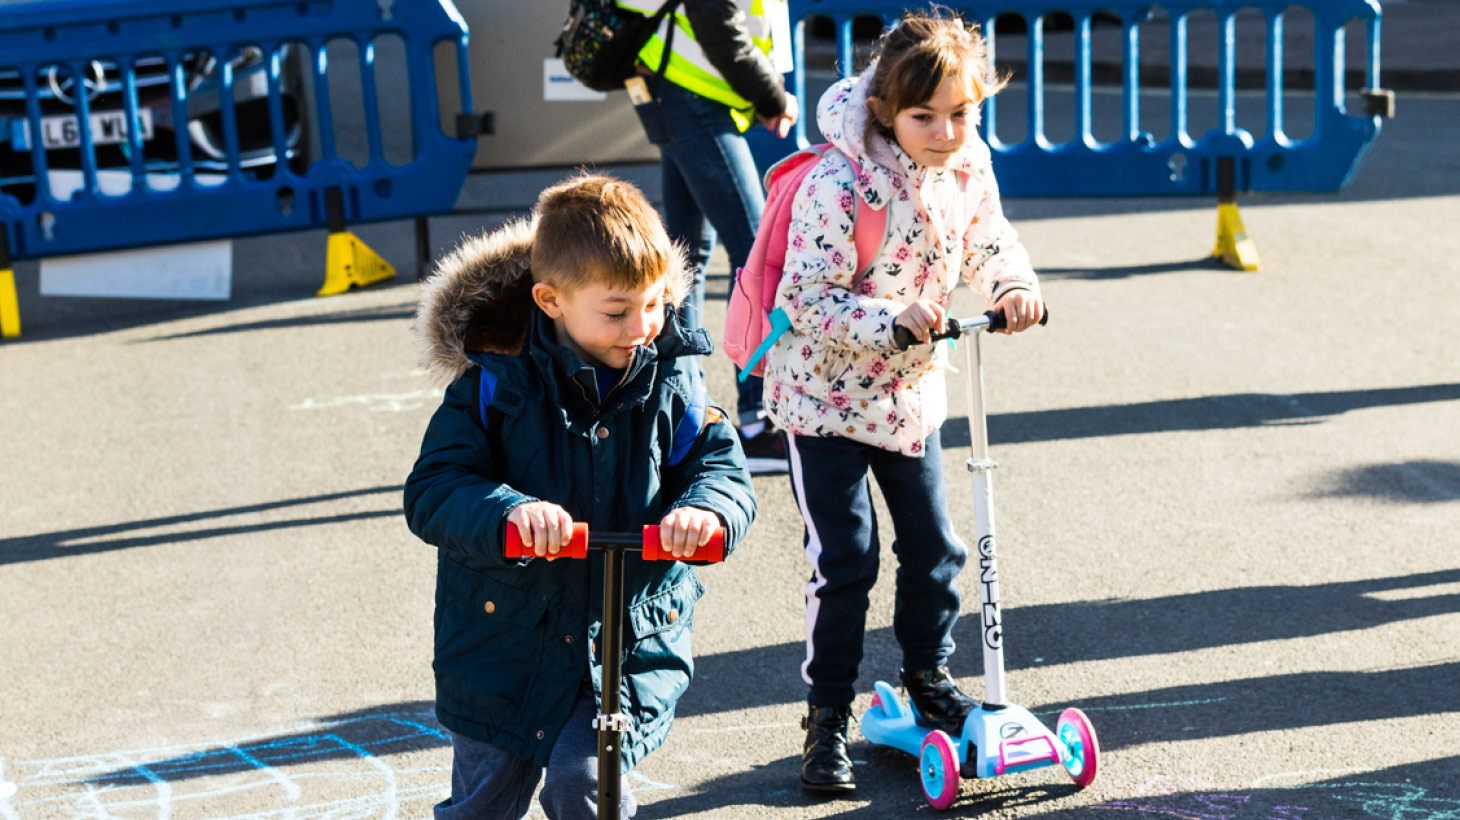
519,422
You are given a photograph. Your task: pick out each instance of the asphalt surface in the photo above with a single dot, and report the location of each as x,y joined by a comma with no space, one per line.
1228,506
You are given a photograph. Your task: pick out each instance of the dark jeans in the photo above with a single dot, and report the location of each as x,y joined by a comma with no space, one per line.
711,190
829,478
488,782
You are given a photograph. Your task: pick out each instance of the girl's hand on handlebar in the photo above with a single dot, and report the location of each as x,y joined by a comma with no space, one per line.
686,529
1022,310
544,526
923,316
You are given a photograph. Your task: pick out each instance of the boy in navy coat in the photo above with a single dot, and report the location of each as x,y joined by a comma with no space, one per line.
572,397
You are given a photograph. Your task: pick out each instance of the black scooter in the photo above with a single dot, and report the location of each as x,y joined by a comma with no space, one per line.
611,723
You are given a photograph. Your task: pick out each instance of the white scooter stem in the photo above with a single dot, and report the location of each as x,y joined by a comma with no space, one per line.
981,467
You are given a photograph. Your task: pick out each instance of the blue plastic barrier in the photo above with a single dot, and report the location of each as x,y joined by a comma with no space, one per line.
80,70
1136,164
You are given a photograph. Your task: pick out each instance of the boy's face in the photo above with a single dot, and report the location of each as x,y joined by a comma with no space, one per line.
603,324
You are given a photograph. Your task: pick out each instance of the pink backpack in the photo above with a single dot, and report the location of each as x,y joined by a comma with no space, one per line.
753,323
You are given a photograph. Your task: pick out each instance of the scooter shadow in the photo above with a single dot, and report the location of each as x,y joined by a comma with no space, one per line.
887,786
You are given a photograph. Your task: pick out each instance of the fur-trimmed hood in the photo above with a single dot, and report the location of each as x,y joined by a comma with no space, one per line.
479,299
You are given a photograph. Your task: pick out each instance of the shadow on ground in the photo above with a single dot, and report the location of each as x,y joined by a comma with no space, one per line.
887,786
1422,481
402,311
888,783
1230,411
1102,630
368,733
109,537
1113,272
1395,792
1273,702
46,318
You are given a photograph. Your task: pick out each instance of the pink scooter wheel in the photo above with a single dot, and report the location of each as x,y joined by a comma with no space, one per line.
938,769
1078,735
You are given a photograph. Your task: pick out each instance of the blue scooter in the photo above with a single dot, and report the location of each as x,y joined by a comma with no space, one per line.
998,738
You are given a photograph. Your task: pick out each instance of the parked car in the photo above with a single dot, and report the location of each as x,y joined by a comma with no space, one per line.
57,89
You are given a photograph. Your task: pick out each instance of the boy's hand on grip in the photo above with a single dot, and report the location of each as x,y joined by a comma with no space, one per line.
686,529
1022,310
544,526
921,317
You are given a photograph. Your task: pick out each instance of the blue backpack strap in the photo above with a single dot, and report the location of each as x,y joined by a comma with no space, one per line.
492,394
688,429
486,388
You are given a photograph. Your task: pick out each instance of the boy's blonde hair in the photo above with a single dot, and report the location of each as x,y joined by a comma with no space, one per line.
924,49
594,229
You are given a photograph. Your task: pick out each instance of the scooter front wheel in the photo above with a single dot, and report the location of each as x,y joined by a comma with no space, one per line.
938,769
1078,735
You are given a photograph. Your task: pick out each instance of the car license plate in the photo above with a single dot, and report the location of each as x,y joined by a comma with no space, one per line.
107,128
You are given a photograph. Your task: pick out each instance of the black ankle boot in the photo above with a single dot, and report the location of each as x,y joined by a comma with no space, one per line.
825,765
938,701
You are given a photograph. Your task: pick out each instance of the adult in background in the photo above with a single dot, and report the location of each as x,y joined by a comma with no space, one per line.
712,70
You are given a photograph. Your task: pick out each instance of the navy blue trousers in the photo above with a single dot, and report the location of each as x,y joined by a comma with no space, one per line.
830,479
487,782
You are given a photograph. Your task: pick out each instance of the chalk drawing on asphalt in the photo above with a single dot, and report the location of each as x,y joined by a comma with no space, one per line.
1128,707
377,402
297,773
1338,797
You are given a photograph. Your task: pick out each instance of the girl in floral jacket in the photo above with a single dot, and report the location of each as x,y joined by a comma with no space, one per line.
849,400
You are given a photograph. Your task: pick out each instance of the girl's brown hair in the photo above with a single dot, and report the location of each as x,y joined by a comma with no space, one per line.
924,49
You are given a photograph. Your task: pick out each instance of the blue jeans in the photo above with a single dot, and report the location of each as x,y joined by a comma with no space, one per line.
711,191
488,782
829,479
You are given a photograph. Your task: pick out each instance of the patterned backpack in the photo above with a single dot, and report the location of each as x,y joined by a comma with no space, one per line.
600,42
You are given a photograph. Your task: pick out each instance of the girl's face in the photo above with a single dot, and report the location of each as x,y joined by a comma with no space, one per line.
931,133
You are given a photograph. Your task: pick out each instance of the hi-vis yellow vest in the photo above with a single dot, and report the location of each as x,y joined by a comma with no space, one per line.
769,25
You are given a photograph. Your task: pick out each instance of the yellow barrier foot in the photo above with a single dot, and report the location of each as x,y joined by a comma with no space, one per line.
9,306
350,262
1234,247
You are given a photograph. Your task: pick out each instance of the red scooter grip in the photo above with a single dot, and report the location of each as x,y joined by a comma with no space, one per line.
713,552
577,545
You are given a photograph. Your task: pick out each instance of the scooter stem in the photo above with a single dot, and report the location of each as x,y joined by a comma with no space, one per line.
610,722
610,732
981,467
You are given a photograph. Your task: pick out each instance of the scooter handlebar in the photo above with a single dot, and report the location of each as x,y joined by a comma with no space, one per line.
713,552
647,543
577,543
990,321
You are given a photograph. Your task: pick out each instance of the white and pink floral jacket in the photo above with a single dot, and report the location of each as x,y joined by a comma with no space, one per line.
837,371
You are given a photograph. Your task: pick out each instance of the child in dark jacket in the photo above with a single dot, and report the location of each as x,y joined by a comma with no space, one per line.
572,398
